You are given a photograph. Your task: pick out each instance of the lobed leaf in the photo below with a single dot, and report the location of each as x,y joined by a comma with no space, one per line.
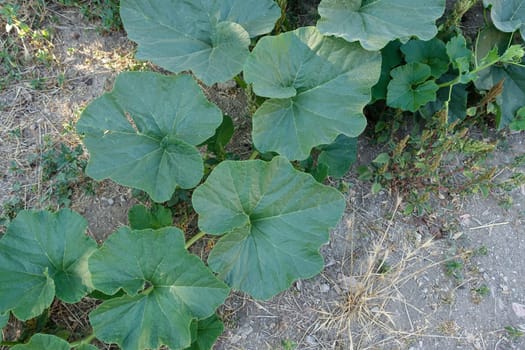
4,318
211,38
376,22
317,87
166,288
409,88
144,132
43,254
390,58
274,220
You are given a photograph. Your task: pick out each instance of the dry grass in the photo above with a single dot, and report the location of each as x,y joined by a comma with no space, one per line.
362,318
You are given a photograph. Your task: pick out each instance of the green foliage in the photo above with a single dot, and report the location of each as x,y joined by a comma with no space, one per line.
492,47
143,134
140,217
210,38
43,341
508,15
164,291
43,255
375,23
150,131
410,87
107,11
514,332
316,91
205,332
259,206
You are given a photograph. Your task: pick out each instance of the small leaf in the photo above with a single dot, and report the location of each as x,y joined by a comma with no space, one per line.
409,88
43,342
518,123
166,288
433,53
155,217
339,155
375,23
458,53
206,333
376,187
210,38
274,220
43,254
320,172
381,159
317,85
144,132
223,135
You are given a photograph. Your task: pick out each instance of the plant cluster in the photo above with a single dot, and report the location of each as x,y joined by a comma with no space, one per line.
159,134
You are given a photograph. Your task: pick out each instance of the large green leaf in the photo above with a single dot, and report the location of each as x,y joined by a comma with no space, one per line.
205,333
210,38
409,88
43,342
43,254
376,22
143,133
317,87
508,15
274,220
166,288
512,98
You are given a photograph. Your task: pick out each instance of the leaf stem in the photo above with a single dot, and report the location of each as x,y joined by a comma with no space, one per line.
194,239
85,340
254,155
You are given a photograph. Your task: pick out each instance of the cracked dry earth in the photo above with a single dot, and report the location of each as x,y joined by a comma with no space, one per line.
387,284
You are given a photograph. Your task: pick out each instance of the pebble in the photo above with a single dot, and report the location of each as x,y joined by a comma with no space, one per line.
325,288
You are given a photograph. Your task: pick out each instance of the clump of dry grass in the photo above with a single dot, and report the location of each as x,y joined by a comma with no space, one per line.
361,318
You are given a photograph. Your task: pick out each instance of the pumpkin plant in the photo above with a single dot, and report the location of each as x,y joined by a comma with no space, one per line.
269,217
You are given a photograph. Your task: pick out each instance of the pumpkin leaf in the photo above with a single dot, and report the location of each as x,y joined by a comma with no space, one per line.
433,53
43,342
318,87
271,216
43,255
339,155
144,132
210,38
140,217
409,88
166,288
376,22
508,15
205,333
492,43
